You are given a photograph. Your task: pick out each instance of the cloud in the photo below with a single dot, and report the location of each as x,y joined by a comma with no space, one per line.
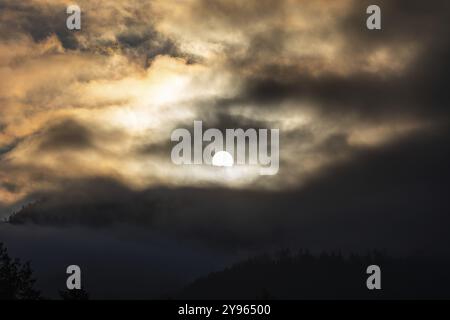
101,103
385,198
67,134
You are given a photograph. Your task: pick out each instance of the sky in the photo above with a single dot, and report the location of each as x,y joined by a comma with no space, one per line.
86,118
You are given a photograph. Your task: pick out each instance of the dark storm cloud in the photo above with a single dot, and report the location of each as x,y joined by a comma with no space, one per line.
67,134
40,21
160,149
150,43
10,187
142,40
6,149
401,20
94,202
411,21
71,135
393,198
194,213
417,91
214,116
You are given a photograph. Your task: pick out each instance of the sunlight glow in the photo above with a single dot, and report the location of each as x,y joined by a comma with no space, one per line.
222,159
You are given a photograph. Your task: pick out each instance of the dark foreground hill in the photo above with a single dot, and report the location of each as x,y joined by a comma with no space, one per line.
304,276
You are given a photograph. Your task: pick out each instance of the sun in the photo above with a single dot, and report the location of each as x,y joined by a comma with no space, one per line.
222,159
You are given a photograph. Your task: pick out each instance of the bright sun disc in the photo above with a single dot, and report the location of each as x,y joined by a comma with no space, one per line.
222,159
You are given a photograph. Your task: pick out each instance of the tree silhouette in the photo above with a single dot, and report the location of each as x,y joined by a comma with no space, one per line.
284,275
16,279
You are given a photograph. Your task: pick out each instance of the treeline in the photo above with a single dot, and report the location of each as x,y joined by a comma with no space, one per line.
326,276
284,275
